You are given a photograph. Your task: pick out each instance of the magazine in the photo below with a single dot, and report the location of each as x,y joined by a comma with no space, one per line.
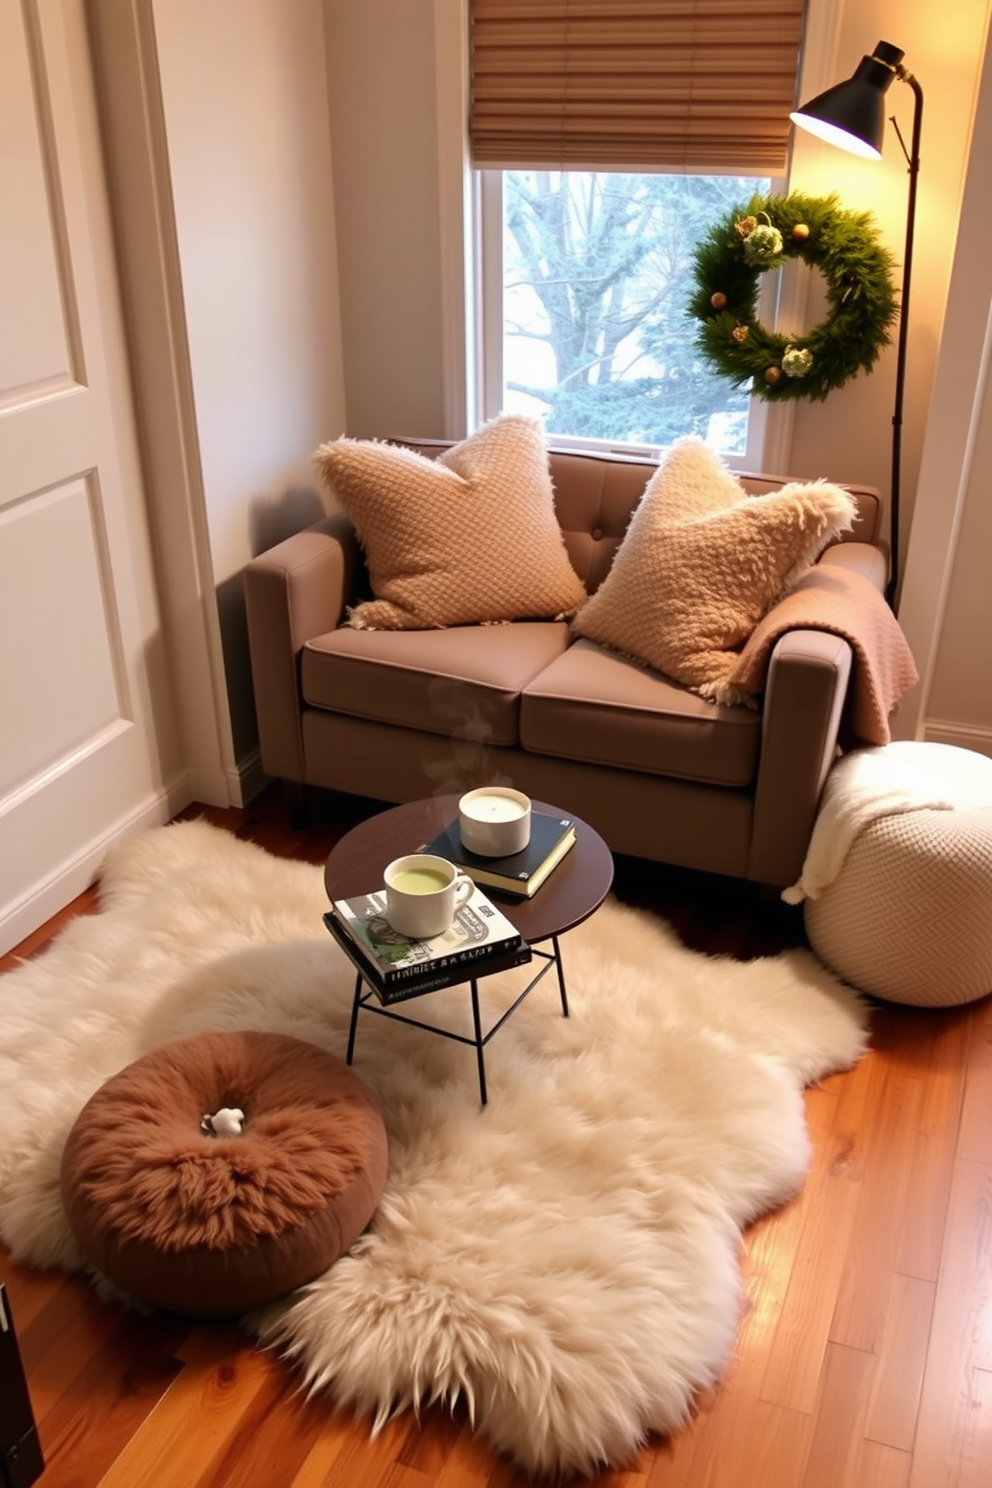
478,936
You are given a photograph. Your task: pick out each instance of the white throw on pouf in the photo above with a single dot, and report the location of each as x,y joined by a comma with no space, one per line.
897,881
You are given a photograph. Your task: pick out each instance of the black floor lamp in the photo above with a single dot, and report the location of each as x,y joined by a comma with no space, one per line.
852,116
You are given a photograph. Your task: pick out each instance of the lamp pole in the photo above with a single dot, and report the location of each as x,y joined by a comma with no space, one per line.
913,161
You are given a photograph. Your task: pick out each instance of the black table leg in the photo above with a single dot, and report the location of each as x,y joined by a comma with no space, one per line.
478,1041
561,977
354,1018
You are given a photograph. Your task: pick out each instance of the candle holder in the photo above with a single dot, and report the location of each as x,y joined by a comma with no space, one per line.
494,821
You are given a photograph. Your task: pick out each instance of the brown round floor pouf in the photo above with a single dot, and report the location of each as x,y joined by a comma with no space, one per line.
214,1225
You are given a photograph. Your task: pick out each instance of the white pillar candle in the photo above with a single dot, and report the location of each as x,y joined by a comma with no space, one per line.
494,821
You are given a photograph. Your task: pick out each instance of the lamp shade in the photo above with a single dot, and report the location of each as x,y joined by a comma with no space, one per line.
852,114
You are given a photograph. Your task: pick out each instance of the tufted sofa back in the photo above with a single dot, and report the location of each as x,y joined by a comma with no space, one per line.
595,495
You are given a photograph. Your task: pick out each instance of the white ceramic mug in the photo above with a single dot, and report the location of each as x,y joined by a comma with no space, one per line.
422,894
494,821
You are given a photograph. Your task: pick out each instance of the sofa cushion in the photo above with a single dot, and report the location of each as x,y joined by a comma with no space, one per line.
464,682
596,706
468,537
701,563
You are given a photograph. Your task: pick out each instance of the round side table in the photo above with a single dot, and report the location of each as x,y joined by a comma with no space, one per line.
575,888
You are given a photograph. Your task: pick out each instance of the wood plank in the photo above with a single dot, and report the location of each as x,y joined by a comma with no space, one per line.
904,1036
976,1115
925,1202
364,1461
710,1451
859,1101
772,1447
468,1463
428,1448
103,1406
400,1475
56,1346
30,1290
771,1242
504,1474
334,1435
197,1417
838,1429
902,1353
882,1467
616,1478
796,1351
953,1447
273,1438
888,1148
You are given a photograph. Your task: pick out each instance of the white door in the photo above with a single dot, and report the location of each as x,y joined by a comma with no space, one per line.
88,743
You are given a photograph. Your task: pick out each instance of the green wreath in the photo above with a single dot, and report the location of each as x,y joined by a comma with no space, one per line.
766,234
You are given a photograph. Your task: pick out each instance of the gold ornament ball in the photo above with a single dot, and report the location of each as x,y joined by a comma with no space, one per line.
772,375
739,334
800,232
718,300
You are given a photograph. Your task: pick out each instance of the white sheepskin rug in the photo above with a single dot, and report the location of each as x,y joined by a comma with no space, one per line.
566,1260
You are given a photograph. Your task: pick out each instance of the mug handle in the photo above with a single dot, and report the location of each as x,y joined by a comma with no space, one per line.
464,889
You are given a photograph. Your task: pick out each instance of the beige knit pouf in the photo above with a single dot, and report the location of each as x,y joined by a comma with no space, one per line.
909,916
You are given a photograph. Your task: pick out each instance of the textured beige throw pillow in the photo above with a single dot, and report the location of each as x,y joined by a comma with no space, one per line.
700,564
468,537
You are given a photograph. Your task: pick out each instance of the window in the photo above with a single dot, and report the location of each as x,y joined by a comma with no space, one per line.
578,110
588,307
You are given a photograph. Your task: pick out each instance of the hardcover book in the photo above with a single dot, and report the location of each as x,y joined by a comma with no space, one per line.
522,873
479,941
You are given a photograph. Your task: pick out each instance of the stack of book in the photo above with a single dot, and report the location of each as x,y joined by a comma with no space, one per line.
522,874
479,941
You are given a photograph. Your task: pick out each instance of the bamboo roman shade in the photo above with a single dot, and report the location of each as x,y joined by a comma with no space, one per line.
677,85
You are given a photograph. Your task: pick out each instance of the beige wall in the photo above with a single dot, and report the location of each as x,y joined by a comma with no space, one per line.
244,95
946,606
850,436
383,122
233,102
218,146
961,694
945,601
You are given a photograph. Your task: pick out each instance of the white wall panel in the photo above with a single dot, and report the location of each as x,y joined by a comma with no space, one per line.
34,345
62,649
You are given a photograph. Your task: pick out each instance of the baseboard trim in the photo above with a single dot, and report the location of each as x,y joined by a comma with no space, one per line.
942,731
74,875
247,780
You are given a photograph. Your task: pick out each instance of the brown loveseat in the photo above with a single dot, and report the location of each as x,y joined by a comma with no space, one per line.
660,772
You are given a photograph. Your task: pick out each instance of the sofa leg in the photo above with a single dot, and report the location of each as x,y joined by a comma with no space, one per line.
298,800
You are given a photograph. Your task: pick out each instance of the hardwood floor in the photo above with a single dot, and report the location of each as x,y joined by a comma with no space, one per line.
864,1356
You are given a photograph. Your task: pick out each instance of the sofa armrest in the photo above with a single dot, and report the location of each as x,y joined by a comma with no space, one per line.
293,592
858,557
804,699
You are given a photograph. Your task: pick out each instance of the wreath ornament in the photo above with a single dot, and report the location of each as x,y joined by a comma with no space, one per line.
861,296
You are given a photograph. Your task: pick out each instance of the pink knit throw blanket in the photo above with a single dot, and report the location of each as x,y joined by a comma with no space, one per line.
848,605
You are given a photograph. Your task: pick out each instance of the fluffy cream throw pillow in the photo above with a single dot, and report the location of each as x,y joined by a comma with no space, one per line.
701,563
468,537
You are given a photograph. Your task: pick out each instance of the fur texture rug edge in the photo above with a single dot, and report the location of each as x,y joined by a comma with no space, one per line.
567,1260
